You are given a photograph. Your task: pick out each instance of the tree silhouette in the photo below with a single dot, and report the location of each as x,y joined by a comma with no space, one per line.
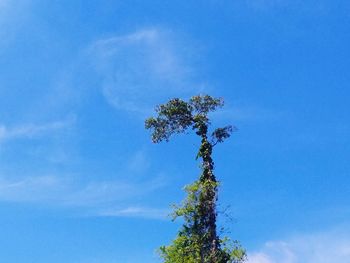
198,240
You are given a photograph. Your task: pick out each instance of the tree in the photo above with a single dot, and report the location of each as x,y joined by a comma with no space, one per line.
198,240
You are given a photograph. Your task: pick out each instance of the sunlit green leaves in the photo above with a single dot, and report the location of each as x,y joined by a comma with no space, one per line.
202,104
173,117
177,115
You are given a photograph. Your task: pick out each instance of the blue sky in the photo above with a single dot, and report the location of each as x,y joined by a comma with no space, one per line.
80,180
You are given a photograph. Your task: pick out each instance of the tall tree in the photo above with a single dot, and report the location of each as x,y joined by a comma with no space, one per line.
198,240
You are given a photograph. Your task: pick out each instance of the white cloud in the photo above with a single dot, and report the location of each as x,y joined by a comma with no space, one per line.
4,3
136,211
91,197
107,193
13,15
31,189
248,113
32,130
65,191
141,68
327,247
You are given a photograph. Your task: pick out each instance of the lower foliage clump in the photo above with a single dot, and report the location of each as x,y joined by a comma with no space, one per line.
190,244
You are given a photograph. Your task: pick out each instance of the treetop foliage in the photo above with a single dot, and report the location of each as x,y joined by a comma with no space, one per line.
176,116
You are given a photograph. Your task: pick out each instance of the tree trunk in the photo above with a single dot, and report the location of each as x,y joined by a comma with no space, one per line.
208,199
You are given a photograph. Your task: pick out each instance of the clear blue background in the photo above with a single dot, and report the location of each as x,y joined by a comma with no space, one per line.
80,180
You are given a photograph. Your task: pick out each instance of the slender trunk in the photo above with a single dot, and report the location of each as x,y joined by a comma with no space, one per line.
209,197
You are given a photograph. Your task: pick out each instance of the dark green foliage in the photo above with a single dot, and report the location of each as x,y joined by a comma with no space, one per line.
197,240
220,134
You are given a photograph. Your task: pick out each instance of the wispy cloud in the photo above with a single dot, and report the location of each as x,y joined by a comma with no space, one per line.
137,211
248,113
106,193
4,3
12,17
326,247
95,197
31,130
31,189
140,68
92,197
